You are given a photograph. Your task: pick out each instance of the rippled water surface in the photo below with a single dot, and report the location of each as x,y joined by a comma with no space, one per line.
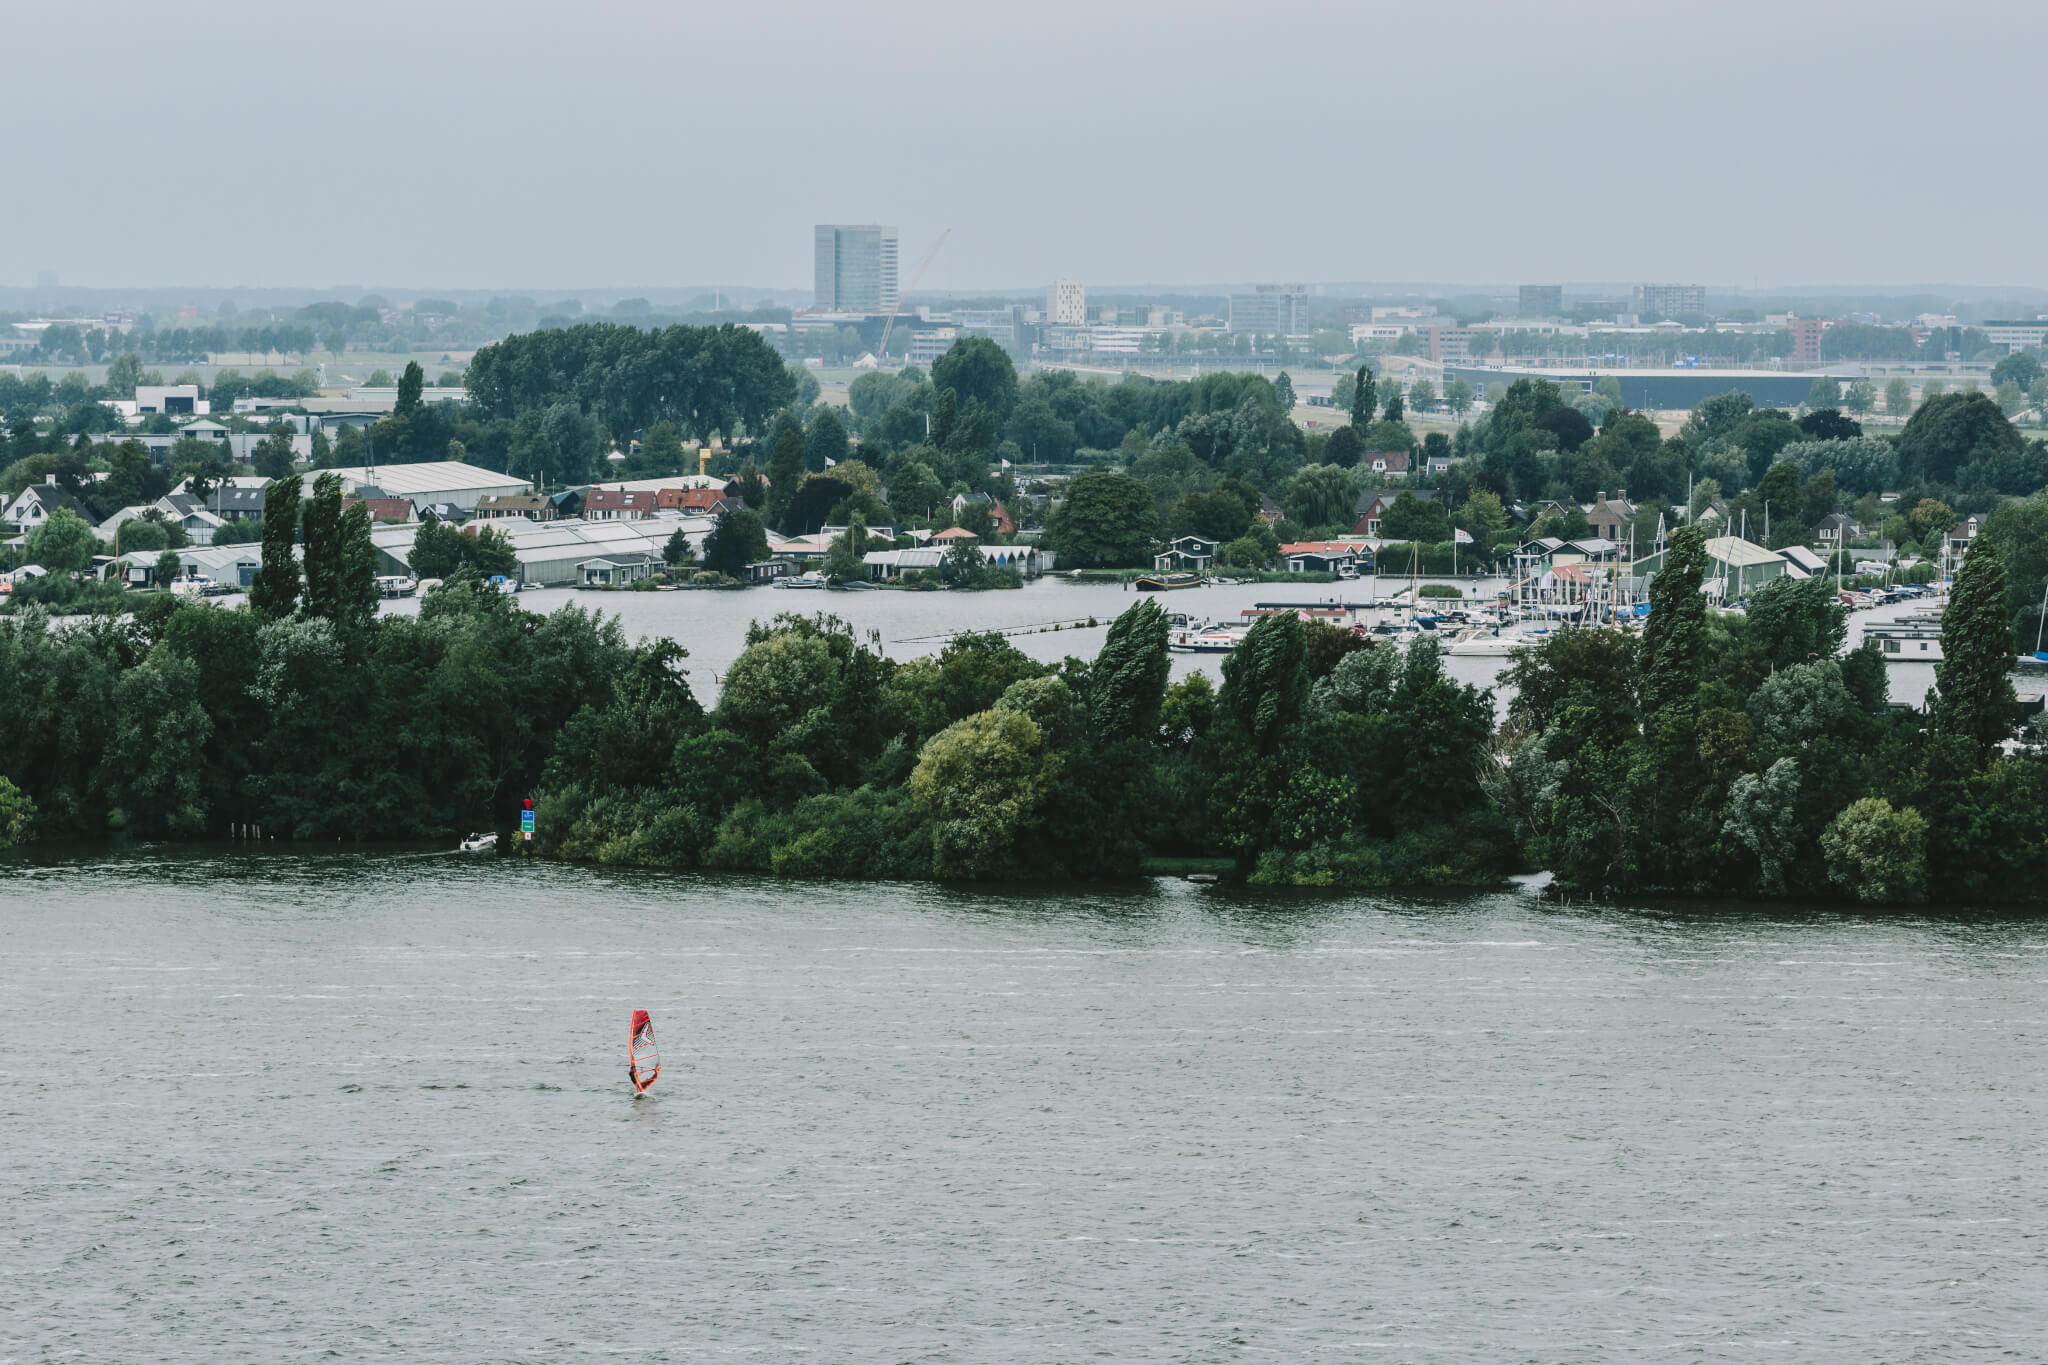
288,1107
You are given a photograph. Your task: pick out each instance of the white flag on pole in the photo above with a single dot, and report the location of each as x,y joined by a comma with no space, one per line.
1463,537
829,462
1006,464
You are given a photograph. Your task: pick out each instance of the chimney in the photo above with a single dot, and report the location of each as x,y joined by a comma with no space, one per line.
1621,495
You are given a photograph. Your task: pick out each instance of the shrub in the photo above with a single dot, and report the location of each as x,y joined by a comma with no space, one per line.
1876,853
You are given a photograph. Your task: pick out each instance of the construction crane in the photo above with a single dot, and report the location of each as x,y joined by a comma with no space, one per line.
916,275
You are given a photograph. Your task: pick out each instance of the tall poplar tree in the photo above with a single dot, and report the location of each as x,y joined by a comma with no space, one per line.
1974,698
1127,683
275,593
1364,400
323,547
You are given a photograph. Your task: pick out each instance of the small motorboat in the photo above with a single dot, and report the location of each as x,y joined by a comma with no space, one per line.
478,843
1167,582
813,579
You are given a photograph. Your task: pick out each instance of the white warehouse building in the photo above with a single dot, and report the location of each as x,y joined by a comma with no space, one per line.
549,552
435,481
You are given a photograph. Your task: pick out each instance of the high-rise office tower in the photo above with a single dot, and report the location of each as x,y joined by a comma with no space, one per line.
855,268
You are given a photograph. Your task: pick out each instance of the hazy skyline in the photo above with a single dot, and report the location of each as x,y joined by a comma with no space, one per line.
532,146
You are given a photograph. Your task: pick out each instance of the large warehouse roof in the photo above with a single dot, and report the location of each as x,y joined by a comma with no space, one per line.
433,476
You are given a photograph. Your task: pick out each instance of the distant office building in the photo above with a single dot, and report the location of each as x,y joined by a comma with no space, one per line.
1541,300
1805,340
1004,326
2016,336
1066,304
1671,300
1270,310
927,346
1458,345
855,268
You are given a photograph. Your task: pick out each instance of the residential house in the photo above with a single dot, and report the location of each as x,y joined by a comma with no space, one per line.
1836,529
703,502
997,513
1609,518
618,569
229,502
1374,502
1326,556
1270,512
1187,553
34,504
1384,462
946,538
1962,533
525,506
612,504
387,511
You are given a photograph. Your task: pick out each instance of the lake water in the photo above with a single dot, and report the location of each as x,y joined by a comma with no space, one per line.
361,1105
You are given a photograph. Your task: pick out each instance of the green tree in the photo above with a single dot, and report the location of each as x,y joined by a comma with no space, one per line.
275,593
2020,369
1974,698
1931,517
1825,392
64,543
982,782
273,457
1877,854
1107,519
1898,398
1675,633
1127,683
1364,397
1393,409
1412,518
913,489
1861,396
825,440
737,540
322,537
785,473
1458,395
843,562
168,566
1951,431
1322,495
357,594
977,368
678,551
1422,394
1761,818
124,374
17,815
1283,389
410,385
1265,680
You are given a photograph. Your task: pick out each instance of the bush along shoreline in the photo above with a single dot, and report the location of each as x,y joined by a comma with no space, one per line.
1706,755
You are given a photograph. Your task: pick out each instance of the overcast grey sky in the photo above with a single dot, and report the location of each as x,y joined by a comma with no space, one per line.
531,145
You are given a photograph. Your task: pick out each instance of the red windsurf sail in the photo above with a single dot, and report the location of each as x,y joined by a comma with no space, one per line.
643,1059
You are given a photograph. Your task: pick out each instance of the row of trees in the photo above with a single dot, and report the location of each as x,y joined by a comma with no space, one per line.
1709,755
1745,756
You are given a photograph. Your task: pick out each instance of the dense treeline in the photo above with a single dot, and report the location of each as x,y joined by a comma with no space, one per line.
700,379
1709,754
1741,755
